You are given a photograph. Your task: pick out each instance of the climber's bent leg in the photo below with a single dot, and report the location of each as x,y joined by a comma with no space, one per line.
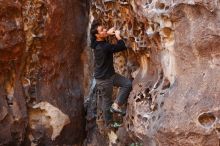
125,88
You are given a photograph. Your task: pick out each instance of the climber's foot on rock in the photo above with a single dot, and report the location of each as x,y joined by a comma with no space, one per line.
116,109
114,125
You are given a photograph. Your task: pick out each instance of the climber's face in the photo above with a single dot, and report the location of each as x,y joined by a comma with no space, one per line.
102,33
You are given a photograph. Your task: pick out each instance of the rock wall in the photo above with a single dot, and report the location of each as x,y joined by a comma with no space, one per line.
41,82
174,59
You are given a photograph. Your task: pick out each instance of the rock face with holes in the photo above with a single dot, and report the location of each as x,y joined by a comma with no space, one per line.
174,59
41,82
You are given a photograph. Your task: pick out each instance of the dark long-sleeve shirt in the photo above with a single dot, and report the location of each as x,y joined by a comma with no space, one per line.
103,53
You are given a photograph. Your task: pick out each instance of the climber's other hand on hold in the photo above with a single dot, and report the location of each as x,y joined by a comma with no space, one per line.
111,31
118,34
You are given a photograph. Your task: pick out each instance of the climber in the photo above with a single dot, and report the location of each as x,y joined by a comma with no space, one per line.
104,72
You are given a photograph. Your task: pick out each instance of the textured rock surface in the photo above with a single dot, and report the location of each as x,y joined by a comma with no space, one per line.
46,116
12,42
40,62
174,58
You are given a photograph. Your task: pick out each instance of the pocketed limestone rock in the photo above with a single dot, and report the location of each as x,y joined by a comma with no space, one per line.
174,50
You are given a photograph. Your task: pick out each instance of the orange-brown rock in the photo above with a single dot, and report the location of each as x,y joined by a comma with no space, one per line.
41,82
173,58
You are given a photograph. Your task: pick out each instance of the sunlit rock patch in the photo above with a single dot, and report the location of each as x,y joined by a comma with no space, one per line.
45,119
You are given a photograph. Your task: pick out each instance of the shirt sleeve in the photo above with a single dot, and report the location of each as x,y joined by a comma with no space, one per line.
120,46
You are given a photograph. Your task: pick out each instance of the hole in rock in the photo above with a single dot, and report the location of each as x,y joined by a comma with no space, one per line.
167,7
138,100
146,6
129,25
217,129
160,5
149,1
139,116
145,119
95,14
136,32
158,117
131,39
44,10
153,118
141,96
150,100
135,97
162,103
166,84
206,119
146,92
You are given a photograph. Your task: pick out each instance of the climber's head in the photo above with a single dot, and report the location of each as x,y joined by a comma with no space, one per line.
102,33
97,32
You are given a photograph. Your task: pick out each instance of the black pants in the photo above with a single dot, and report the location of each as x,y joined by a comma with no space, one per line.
107,85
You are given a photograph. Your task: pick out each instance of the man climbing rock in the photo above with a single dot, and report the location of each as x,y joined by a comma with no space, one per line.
104,72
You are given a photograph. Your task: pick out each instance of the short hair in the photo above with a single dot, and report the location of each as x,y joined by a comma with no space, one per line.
94,31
